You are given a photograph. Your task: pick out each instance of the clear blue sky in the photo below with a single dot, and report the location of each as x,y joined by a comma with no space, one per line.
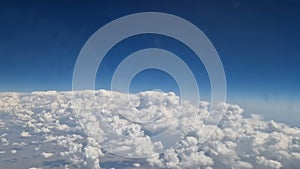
258,43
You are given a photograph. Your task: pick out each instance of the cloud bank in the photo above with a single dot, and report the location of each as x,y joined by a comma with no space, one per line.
44,126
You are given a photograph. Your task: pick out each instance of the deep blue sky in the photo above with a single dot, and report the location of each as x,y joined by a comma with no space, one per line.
258,43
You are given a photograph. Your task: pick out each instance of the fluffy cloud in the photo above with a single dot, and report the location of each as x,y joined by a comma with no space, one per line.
46,155
105,127
25,134
239,142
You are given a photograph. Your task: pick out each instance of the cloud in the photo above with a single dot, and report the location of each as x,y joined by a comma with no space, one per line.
13,151
25,134
240,142
46,155
105,127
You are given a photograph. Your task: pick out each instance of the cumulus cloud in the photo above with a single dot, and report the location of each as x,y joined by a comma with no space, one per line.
239,142
46,155
13,151
25,134
105,127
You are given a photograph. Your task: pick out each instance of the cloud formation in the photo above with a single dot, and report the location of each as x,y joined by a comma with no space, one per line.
47,125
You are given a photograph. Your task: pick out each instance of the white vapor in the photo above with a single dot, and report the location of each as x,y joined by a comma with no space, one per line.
46,124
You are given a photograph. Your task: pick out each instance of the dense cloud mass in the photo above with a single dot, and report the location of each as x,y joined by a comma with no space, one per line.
42,130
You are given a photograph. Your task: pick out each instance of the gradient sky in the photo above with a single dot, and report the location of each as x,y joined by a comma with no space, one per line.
258,43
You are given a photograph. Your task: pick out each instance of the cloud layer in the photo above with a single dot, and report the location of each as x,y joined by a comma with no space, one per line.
44,126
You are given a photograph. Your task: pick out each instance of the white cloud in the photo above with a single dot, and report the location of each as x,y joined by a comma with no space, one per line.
13,151
25,134
237,141
137,165
46,155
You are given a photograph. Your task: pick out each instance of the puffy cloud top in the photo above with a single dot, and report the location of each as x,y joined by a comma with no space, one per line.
128,125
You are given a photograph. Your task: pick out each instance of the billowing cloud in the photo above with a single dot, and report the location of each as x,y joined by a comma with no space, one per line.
46,124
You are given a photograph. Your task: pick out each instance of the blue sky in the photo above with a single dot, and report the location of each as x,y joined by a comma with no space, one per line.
258,43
